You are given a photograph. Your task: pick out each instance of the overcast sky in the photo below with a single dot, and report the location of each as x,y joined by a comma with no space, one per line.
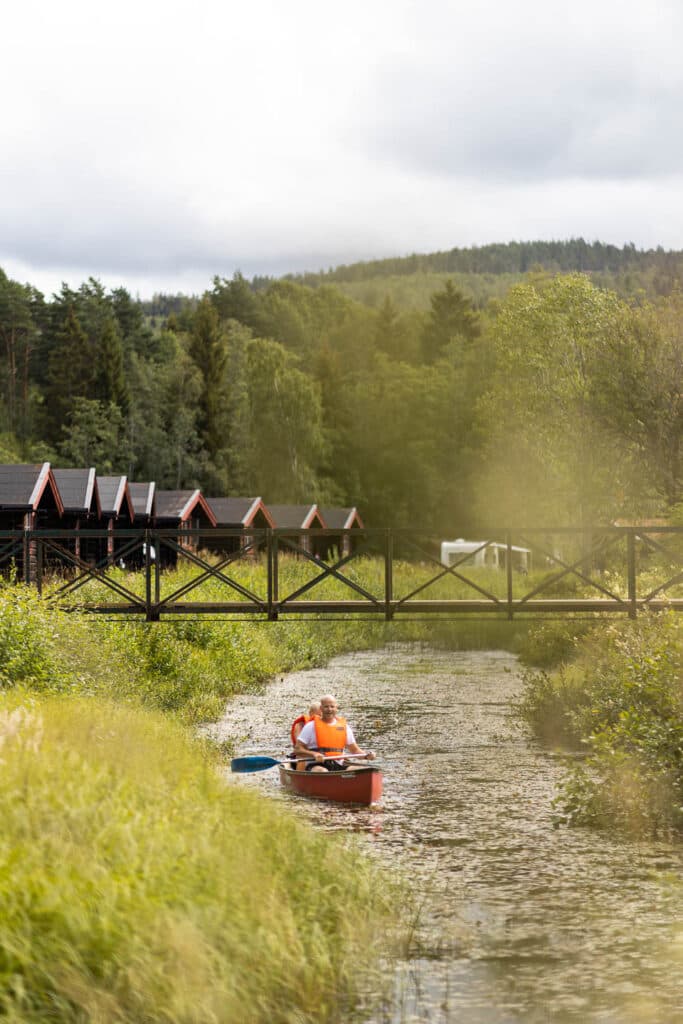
155,144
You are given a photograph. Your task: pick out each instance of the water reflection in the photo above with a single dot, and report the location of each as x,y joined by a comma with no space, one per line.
520,922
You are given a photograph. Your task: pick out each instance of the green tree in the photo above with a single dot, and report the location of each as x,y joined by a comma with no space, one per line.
236,300
550,455
208,348
162,422
94,435
18,336
71,372
285,435
451,317
110,383
638,392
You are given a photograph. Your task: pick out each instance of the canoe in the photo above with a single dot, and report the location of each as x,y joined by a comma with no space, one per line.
361,785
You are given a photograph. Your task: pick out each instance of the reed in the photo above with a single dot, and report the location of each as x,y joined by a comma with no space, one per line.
135,885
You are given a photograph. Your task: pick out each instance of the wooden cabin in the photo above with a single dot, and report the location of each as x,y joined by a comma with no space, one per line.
143,496
301,517
238,514
184,511
118,513
342,519
29,500
79,492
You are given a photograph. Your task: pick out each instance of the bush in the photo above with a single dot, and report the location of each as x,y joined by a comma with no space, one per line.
622,699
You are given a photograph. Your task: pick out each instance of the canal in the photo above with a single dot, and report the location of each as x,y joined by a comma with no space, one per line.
520,922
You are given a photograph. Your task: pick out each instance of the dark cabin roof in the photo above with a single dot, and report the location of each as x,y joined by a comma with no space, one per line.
342,518
297,517
179,506
238,511
28,487
115,497
142,496
78,490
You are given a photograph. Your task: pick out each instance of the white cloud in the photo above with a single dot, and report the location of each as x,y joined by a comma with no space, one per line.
158,144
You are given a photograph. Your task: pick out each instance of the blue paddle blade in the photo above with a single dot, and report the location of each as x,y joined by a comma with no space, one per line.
252,764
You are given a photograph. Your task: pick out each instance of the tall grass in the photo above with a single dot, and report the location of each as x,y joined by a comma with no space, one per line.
619,699
136,886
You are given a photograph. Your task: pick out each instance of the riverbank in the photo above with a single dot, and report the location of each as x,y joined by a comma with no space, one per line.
617,698
134,884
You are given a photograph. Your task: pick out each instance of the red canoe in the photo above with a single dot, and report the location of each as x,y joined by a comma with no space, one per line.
362,785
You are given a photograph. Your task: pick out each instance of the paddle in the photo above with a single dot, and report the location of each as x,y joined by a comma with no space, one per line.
256,763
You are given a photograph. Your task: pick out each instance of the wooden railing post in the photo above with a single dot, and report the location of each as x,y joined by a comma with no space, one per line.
388,575
508,568
39,566
152,615
631,573
273,583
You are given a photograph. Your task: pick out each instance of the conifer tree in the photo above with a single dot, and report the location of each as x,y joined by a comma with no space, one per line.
451,317
71,371
110,378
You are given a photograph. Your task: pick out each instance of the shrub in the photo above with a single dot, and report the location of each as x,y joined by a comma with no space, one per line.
622,699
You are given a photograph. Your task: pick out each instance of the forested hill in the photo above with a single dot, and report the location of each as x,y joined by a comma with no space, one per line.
489,271
482,273
508,258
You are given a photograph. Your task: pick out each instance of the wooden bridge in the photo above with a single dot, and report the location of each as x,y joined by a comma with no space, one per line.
155,574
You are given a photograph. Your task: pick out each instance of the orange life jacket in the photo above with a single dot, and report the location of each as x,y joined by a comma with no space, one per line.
302,720
331,739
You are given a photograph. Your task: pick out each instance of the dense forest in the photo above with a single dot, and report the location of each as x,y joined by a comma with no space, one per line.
531,383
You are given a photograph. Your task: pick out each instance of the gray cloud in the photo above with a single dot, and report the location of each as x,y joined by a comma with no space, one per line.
249,138
518,107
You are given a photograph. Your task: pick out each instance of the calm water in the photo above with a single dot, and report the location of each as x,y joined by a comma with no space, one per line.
520,922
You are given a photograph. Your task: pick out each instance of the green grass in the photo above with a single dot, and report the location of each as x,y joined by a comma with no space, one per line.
136,886
619,698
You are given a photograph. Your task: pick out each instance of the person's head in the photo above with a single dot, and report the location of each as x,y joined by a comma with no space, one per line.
328,707
314,710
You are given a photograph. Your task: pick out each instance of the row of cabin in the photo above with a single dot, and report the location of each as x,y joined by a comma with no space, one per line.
43,497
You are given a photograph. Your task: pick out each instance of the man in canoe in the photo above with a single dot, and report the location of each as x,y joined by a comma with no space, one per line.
329,734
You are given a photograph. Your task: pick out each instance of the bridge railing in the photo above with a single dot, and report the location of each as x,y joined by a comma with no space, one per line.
270,574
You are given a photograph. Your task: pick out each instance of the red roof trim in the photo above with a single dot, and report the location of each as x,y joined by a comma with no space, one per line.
46,479
151,492
197,498
94,489
353,514
312,513
258,506
125,493
120,492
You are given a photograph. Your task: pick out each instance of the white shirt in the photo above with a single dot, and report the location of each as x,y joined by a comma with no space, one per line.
307,735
